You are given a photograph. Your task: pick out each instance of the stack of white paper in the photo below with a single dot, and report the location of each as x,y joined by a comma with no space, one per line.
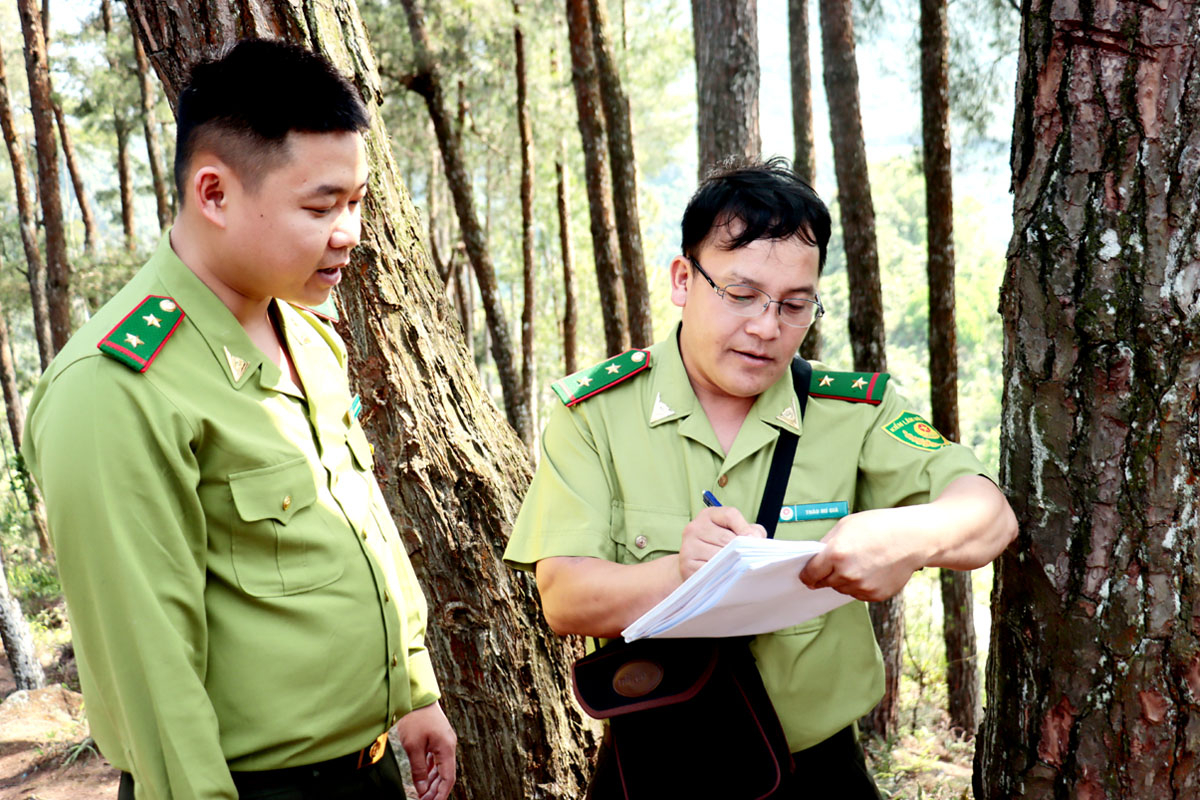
751,586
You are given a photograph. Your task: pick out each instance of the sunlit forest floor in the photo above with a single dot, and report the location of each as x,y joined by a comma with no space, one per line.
45,752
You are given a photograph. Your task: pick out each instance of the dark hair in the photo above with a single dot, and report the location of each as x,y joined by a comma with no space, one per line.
767,197
243,105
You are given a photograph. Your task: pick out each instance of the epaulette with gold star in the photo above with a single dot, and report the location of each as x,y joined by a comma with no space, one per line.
854,387
138,339
605,375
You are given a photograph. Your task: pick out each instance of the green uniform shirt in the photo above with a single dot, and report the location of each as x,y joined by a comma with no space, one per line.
237,590
622,473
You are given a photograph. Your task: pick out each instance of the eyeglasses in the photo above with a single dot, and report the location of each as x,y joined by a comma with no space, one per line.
747,301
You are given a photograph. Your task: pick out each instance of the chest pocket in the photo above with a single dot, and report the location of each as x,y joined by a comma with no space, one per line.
281,545
642,534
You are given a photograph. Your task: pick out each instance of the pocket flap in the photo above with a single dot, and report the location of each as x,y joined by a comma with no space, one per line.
274,492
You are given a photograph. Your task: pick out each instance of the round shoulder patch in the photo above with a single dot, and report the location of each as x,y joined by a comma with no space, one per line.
911,429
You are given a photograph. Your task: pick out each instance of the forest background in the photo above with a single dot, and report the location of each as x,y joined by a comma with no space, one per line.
97,84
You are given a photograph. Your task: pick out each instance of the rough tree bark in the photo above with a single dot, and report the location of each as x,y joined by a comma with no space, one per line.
17,640
26,213
90,237
567,249
427,82
528,365
599,183
15,413
122,129
451,468
1094,675
58,268
727,77
958,621
618,126
158,178
866,296
805,162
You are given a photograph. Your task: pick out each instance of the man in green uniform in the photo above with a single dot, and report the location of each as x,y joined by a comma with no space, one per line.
244,613
614,519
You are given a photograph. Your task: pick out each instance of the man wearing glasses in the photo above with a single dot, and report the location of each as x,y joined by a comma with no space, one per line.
614,520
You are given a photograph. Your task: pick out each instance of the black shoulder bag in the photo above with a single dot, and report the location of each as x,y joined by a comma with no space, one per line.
692,714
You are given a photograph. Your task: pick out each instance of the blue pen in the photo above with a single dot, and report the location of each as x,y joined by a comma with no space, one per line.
710,500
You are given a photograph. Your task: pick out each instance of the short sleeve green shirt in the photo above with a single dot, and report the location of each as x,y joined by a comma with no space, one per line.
239,595
623,472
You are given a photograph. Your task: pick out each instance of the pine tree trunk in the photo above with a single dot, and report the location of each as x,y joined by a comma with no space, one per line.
1093,681
35,267
121,128
866,296
805,162
162,200
428,84
727,78
528,368
15,413
599,182
17,640
619,128
962,680
58,268
90,238
451,469
568,265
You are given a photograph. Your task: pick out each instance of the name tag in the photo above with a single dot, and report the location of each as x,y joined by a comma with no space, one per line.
802,512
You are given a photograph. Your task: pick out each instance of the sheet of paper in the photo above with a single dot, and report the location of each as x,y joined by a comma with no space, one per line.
752,586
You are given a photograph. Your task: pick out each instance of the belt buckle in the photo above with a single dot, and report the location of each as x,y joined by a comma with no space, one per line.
373,753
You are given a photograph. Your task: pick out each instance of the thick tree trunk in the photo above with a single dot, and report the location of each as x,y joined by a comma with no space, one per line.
962,677
90,238
26,213
805,162
727,78
568,264
599,184
17,640
866,296
1093,681
58,272
125,180
428,83
528,365
452,470
162,199
619,127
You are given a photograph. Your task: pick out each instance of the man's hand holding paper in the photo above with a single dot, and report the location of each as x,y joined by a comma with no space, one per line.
711,530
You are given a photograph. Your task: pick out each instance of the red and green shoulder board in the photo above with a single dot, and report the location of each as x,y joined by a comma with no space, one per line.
138,339
854,387
605,375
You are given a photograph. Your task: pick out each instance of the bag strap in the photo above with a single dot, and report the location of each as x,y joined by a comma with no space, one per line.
785,454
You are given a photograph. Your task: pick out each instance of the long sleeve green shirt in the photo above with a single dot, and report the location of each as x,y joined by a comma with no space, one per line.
239,596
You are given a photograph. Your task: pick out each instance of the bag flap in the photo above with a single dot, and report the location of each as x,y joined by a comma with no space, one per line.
620,678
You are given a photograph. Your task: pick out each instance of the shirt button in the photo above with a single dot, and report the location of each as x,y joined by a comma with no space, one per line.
640,542
364,534
287,502
721,481
386,598
395,661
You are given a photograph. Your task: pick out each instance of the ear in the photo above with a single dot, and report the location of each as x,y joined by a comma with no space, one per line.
210,192
681,271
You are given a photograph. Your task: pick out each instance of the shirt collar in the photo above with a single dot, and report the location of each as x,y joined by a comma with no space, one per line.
238,356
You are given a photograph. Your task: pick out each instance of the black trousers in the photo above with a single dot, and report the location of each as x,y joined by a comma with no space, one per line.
379,781
835,769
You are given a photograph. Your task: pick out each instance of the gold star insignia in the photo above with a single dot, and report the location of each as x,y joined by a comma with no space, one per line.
858,384
132,340
828,379
613,369
236,365
152,321
586,380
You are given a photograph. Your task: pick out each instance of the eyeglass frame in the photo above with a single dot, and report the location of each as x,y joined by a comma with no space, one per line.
720,290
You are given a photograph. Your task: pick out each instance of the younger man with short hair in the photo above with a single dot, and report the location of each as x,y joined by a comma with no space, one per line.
245,617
